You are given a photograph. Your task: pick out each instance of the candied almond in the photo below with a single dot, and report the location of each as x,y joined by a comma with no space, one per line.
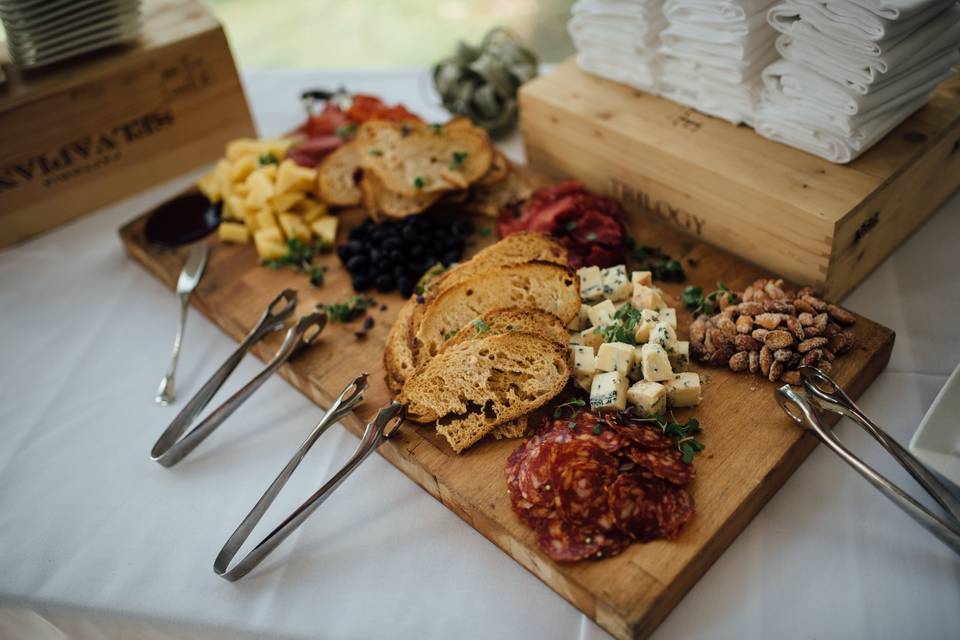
759,333
744,325
804,306
778,339
773,290
739,361
795,328
727,326
750,308
812,343
768,320
776,306
831,330
746,343
791,377
842,316
783,355
698,329
721,356
754,361
821,321
816,303
776,370
841,342
806,319
766,359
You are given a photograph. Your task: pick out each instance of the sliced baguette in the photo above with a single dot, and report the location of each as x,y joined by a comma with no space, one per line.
483,383
537,284
397,356
512,429
499,321
338,175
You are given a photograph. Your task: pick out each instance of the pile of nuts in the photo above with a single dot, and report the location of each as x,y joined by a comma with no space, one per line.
768,330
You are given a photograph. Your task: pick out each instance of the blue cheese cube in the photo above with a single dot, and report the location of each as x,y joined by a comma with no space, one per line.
683,390
648,319
591,284
608,392
655,363
642,277
581,320
636,365
592,337
680,355
615,356
669,316
650,398
645,297
601,314
616,287
663,335
582,365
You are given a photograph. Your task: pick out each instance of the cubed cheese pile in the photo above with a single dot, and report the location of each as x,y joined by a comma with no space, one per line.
267,197
624,348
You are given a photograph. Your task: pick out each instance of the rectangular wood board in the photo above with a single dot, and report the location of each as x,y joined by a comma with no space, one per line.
751,446
794,213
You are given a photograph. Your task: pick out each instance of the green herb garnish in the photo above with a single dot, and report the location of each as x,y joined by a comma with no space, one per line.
574,405
267,158
300,258
347,311
419,182
449,334
346,131
660,265
486,232
376,152
456,162
695,301
683,432
427,276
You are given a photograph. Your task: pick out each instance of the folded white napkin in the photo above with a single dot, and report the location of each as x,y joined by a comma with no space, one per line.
720,69
859,72
625,8
729,32
756,44
717,12
787,127
893,9
787,83
788,19
848,20
635,71
626,33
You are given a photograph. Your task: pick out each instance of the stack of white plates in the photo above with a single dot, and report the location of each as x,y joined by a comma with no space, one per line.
40,32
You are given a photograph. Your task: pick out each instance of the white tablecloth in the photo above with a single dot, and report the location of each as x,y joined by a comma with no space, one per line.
95,538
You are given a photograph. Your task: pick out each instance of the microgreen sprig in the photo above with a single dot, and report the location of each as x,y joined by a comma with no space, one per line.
695,301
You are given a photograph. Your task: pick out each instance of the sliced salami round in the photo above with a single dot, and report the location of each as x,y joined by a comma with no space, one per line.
581,474
662,463
566,542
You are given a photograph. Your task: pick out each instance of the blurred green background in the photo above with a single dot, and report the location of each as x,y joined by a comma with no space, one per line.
382,33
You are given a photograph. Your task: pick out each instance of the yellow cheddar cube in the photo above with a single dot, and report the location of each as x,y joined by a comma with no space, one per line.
234,208
261,189
240,147
285,201
234,232
311,210
242,168
270,244
325,228
293,177
294,227
265,219
277,147
209,186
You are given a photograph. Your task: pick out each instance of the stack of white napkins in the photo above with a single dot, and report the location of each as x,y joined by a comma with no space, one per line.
618,39
712,53
853,70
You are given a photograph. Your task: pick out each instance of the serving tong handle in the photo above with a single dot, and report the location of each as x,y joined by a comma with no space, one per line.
383,426
170,448
823,394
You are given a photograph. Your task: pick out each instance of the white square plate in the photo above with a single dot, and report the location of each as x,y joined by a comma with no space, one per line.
937,441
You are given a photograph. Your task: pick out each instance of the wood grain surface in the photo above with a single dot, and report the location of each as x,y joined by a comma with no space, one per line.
751,446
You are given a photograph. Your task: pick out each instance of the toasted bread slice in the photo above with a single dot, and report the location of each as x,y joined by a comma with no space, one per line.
480,384
512,429
499,321
397,356
498,170
489,199
540,285
390,204
417,159
338,175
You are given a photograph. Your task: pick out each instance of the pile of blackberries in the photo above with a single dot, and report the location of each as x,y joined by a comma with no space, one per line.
395,254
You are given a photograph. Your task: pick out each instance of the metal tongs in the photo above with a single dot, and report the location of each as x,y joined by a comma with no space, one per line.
383,426
170,448
821,394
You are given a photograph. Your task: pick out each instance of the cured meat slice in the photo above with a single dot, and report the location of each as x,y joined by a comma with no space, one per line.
667,464
649,508
581,473
566,542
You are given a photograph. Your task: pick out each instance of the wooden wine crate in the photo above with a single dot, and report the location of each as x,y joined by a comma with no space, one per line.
795,214
79,135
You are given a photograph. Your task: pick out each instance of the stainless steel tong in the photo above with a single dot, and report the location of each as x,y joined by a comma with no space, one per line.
383,426
170,448
821,394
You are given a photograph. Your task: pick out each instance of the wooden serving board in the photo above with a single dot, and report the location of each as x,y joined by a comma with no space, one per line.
751,446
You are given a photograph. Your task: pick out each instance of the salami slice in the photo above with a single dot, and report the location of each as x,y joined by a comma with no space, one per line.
646,436
667,464
674,510
581,473
566,542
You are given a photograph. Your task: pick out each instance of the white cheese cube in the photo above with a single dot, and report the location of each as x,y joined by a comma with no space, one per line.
648,319
645,297
616,287
636,365
601,314
642,277
669,316
655,363
581,320
649,397
591,283
663,335
615,356
582,365
679,356
575,338
608,392
683,390
592,337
